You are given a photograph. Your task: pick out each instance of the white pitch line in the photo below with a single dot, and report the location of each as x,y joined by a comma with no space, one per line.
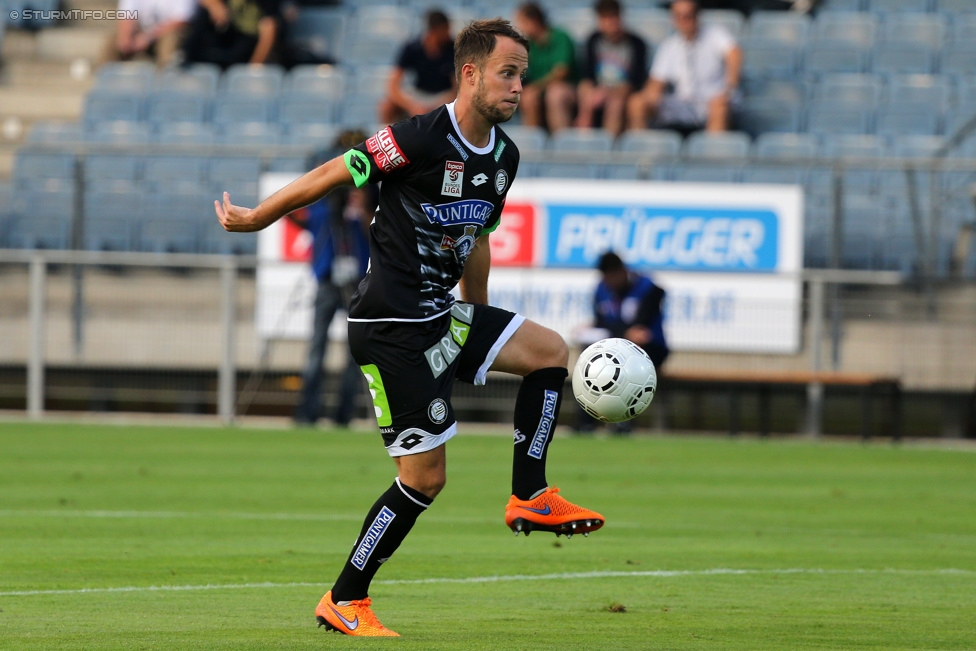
566,576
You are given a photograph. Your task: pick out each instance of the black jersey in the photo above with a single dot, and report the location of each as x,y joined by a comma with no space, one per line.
439,193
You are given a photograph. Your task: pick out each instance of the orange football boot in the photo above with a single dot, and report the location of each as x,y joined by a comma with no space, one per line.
550,512
355,619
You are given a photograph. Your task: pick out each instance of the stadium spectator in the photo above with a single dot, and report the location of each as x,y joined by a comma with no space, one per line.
226,32
155,33
700,65
340,255
614,66
628,305
548,94
430,59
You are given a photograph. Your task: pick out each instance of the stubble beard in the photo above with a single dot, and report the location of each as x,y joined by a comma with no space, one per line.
492,114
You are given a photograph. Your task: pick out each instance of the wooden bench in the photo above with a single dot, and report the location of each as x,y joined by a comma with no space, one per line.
763,382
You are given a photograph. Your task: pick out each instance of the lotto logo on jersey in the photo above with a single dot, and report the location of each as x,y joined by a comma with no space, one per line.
453,178
384,148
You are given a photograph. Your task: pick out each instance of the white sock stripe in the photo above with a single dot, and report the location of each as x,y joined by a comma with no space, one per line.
567,576
409,496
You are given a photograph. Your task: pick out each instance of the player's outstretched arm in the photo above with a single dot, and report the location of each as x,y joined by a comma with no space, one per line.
299,193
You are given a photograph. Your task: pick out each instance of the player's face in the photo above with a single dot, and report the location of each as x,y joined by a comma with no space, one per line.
500,82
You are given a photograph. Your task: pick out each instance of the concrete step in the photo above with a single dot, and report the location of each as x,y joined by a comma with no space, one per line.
59,43
30,104
33,73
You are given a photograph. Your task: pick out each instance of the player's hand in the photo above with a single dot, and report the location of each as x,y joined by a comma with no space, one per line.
235,218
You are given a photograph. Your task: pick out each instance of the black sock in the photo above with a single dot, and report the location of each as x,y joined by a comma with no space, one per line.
536,411
385,527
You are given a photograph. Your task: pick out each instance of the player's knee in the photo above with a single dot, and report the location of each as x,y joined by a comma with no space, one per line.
555,354
431,484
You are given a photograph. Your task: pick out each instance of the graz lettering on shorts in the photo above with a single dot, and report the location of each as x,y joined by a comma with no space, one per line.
372,538
466,211
440,355
545,425
384,148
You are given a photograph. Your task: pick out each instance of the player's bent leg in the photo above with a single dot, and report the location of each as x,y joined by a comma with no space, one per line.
531,348
425,472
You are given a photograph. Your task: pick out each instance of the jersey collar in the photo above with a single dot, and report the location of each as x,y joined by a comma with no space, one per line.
478,150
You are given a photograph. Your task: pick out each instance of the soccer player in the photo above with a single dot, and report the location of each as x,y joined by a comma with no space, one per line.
445,176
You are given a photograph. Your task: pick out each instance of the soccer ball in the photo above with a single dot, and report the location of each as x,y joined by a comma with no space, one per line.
614,380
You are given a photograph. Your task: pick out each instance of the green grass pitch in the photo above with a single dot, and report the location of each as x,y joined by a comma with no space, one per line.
125,537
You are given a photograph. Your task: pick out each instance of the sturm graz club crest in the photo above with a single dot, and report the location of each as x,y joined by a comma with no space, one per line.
461,246
501,181
437,411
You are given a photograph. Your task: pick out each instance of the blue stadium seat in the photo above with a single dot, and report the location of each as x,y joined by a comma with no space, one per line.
371,79
233,107
320,31
254,80
112,219
899,119
897,6
959,59
927,30
249,133
831,119
931,92
110,106
724,145
32,167
960,7
792,93
60,132
859,30
185,133
112,167
855,90
577,141
312,134
654,143
299,107
200,78
842,5
330,82
134,77
704,173
786,146
169,170
912,146
784,27
958,117
214,239
379,33
178,106
770,60
120,132
172,221
857,179
42,220
358,111
527,138
230,170
654,25
900,57
822,57
775,174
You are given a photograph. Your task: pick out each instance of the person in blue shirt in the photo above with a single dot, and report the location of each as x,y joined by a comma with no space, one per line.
340,255
628,305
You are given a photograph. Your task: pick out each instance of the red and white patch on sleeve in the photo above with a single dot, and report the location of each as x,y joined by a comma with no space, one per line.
385,150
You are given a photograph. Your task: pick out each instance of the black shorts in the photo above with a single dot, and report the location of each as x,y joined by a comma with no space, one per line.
411,367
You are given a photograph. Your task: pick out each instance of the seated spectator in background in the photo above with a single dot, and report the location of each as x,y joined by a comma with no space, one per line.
614,66
700,65
226,32
430,59
157,32
548,93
